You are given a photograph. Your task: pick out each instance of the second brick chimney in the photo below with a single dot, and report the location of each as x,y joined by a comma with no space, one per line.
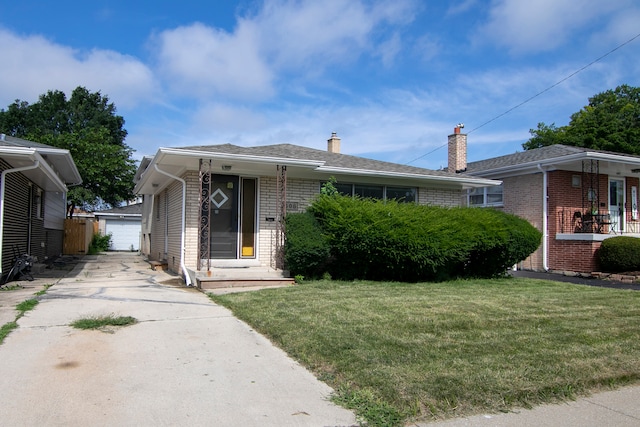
333,143
457,150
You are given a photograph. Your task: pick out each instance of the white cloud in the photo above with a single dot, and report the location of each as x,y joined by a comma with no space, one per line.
304,35
34,65
542,25
200,61
388,50
223,118
284,39
461,7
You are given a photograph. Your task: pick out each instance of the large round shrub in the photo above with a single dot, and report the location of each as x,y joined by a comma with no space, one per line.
621,253
379,240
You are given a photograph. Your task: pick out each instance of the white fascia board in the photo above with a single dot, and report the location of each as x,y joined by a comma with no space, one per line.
21,151
241,157
65,154
53,175
76,179
33,155
466,181
196,154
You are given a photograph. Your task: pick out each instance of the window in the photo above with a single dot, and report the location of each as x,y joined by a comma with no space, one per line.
344,189
486,196
401,194
39,204
381,192
369,191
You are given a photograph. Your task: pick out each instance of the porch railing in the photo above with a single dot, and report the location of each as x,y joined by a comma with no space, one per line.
571,220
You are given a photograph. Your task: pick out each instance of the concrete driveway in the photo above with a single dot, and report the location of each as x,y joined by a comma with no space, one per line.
187,361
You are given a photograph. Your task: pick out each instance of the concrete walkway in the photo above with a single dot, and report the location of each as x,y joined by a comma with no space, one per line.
187,361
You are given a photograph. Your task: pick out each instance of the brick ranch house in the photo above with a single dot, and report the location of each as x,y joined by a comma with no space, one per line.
33,205
214,213
577,197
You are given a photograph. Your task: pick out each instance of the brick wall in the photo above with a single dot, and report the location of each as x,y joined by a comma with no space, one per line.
440,197
573,255
300,192
522,196
192,219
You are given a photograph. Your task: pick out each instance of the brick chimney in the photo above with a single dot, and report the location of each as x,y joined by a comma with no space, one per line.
333,143
458,150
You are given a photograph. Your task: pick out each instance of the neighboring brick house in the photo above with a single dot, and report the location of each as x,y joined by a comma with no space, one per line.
214,212
33,188
575,196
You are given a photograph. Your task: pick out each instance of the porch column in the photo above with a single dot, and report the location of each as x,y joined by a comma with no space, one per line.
204,216
281,212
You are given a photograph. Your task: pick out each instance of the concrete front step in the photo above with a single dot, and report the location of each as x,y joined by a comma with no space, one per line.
222,284
230,277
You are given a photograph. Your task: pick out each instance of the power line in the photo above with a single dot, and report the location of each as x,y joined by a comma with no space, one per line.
538,94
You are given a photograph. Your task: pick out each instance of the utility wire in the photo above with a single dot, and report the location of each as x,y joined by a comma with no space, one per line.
537,94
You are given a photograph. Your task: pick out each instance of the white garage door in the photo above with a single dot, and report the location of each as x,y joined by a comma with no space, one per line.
125,235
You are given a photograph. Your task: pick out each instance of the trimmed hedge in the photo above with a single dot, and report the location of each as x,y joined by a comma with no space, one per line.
307,250
372,239
621,253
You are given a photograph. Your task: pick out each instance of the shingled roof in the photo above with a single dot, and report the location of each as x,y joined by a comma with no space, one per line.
551,154
290,151
524,157
11,141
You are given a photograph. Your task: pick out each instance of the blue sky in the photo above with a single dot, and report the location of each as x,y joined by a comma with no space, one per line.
392,78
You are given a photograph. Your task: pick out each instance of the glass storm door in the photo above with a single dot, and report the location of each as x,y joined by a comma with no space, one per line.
616,203
224,216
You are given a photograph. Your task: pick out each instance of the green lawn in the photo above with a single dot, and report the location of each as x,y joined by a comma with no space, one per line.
397,351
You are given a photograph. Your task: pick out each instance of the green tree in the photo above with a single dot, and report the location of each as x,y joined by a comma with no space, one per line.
87,125
611,122
544,136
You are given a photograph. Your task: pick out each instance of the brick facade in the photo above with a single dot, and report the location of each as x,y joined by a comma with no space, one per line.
166,216
522,196
440,197
566,195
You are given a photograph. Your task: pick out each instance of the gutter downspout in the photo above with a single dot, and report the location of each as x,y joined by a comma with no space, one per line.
3,178
187,278
545,225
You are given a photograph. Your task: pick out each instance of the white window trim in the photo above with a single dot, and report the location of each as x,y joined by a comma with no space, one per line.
484,203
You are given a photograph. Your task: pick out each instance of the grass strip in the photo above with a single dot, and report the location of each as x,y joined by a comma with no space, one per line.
26,305
22,307
6,330
100,322
437,350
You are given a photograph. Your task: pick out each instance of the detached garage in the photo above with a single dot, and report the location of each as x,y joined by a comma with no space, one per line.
124,225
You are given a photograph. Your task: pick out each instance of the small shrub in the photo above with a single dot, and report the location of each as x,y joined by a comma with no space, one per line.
621,253
99,243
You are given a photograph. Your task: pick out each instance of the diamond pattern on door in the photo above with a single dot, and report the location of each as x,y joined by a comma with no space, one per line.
218,198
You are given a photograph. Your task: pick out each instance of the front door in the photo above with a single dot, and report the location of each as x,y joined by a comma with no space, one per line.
616,204
224,216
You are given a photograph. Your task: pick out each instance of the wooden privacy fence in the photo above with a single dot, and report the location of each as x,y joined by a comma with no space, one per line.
78,233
